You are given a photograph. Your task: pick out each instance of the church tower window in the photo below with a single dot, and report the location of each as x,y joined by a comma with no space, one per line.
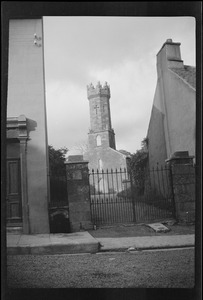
98,138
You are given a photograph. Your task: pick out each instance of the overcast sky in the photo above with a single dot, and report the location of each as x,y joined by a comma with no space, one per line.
119,50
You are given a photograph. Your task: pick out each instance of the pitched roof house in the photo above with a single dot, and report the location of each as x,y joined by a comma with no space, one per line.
172,122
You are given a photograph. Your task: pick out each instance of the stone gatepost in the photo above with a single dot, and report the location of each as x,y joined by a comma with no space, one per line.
183,182
78,193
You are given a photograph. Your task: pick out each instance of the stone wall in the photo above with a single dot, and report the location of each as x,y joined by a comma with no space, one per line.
78,195
183,182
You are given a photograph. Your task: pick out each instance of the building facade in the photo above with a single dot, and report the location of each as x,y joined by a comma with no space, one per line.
172,123
27,149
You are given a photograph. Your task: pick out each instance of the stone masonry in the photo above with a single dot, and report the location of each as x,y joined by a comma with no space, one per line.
78,193
183,177
102,153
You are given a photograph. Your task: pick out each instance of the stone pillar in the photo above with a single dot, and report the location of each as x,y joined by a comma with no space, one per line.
78,193
183,182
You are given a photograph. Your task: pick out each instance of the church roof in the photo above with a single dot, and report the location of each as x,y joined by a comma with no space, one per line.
187,73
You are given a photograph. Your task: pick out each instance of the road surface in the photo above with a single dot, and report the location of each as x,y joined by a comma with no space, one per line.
173,268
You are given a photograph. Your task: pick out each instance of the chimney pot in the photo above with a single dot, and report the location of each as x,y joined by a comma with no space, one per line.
169,40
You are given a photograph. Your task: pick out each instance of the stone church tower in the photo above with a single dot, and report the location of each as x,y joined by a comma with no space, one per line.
101,132
102,153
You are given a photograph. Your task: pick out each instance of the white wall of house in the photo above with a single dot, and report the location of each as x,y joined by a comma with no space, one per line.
172,122
26,95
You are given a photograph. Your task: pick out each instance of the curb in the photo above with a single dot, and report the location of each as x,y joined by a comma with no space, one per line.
54,249
146,248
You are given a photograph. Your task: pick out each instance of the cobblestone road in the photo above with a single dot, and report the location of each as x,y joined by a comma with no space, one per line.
160,269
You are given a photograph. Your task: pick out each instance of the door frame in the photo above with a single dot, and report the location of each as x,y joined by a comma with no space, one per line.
17,129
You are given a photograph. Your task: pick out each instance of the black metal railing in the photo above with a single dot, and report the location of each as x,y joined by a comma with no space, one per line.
156,200
117,197
109,198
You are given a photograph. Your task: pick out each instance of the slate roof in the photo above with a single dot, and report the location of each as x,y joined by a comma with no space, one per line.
187,73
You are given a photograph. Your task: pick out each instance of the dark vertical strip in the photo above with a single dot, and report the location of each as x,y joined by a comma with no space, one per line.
164,204
132,197
172,191
108,191
145,195
93,198
104,197
125,203
117,210
169,191
103,179
113,197
119,197
123,200
91,213
154,191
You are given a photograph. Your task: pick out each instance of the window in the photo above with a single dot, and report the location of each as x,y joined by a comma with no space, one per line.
98,140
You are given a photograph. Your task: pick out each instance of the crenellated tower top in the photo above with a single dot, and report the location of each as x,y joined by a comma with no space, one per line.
99,90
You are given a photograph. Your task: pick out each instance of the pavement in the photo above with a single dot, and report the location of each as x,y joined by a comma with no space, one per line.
70,243
84,242
146,242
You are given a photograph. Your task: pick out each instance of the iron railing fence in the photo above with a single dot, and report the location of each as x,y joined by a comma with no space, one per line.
155,201
118,197
109,197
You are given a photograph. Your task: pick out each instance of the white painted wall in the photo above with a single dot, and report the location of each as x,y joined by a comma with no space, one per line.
26,95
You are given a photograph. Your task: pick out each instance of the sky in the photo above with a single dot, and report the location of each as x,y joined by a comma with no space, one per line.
120,50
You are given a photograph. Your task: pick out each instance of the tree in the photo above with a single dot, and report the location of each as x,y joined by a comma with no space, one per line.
81,146
57,159
138,165
125,152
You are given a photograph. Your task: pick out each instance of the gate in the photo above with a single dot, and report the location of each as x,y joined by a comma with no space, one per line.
109,197
116,197
153,193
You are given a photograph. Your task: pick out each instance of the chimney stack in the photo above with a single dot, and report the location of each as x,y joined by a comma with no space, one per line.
169,55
